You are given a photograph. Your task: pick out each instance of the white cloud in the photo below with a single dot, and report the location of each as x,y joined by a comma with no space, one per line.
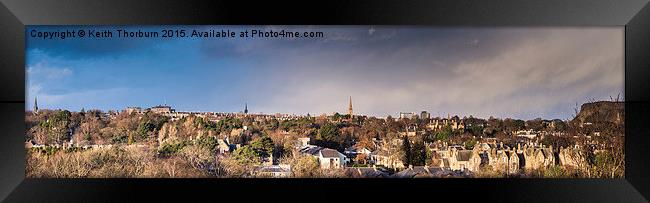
41,70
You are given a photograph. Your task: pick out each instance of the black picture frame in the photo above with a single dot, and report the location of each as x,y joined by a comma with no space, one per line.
634,15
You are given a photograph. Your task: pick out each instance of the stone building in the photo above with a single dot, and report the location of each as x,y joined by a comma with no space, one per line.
498,156
463,159
425,115
384,158
572,157
504,160
162,109
409,115
454,123
130,110
387,154
537,157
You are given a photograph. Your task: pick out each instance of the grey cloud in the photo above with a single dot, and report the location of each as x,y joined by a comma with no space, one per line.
534,73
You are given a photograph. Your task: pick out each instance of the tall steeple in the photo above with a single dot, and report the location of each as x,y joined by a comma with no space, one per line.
246,108
350,112
35,106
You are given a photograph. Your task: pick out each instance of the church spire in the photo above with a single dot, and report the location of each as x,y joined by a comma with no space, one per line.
246,108
35,106
350,112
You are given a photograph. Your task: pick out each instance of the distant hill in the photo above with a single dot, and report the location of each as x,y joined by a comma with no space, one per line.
601,112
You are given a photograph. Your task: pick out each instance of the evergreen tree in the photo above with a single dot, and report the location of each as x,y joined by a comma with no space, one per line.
329,135
263,145
246,155
406,148
418,154
428,157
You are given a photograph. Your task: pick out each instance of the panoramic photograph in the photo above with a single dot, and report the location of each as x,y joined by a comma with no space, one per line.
324,102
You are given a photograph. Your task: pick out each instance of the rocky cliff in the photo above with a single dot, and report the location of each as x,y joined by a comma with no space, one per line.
602,112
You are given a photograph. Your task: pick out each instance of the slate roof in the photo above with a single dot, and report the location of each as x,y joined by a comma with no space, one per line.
365,172
351,149
311,149
329,153
418,171
273,169
380,153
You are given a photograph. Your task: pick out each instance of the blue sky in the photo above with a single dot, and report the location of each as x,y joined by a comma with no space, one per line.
503,72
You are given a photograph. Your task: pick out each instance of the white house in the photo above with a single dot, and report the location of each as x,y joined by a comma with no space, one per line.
330,159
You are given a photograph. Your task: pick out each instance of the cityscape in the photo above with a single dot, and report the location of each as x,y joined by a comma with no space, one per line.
162,142
355,102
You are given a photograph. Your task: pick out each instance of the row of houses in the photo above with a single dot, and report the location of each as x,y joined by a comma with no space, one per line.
453,160
505,159
499,157
439,124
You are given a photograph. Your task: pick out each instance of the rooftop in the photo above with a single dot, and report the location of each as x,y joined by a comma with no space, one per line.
311,149
329,153
273,169
365,172
418,171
